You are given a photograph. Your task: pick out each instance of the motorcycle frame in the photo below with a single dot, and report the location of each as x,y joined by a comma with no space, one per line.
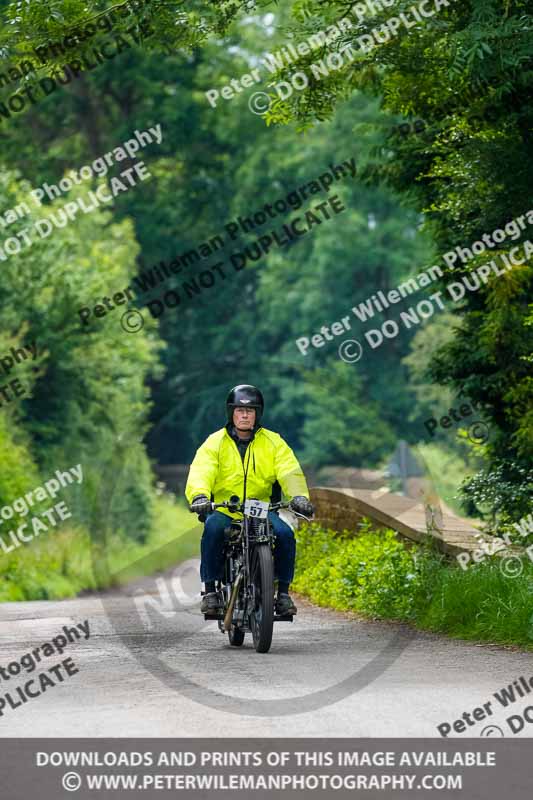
243,577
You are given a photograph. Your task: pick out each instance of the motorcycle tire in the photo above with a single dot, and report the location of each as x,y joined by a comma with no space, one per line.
236,636
262,615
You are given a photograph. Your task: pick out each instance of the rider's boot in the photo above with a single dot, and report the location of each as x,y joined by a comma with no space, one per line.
212,603
285,605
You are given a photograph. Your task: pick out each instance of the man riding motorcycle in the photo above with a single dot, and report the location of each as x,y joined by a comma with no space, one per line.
245,459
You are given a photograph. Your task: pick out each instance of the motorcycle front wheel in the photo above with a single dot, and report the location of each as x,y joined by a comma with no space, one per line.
262,614
236,636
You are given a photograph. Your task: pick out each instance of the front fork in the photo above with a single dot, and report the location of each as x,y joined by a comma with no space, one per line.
234,581
233,596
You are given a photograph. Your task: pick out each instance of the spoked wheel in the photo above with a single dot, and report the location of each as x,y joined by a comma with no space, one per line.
236,636
262,615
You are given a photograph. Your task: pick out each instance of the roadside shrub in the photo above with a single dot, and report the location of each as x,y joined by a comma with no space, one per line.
374,573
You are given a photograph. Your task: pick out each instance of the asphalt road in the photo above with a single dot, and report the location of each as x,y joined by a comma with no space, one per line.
165,672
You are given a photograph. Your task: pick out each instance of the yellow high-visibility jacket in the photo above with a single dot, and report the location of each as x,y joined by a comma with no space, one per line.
218,469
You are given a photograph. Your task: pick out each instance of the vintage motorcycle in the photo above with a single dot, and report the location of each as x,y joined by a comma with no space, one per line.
248,583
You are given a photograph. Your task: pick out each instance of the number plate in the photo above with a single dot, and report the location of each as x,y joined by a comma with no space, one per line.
256,509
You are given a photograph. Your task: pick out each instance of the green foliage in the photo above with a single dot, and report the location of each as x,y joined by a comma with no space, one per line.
432,400
343,426
375,574
50,568
19,473
467,175
86,401
480,604
372,572
448,468
314,544
506,491
214,165
62,563
28,24
91,392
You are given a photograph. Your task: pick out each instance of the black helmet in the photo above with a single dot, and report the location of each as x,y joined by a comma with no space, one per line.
245,395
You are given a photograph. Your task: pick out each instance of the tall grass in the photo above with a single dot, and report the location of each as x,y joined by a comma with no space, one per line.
481,603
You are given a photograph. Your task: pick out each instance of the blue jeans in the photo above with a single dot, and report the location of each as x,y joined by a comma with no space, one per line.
211,568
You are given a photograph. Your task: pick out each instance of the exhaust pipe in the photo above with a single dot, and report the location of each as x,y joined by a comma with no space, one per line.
229,612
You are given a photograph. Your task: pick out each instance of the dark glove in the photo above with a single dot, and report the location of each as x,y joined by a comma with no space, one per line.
201,505
302,506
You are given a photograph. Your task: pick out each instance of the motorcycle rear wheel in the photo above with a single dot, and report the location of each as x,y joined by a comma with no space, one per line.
262,615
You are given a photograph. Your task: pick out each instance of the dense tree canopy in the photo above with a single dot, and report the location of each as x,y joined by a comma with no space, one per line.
467,73
413,198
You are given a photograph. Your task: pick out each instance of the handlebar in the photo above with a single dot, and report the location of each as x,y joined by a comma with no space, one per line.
234,505
238,506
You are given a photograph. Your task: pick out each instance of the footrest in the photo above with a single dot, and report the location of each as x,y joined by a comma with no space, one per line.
213,616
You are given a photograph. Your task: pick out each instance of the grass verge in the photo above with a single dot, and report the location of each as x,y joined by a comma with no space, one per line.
61,564
379,576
